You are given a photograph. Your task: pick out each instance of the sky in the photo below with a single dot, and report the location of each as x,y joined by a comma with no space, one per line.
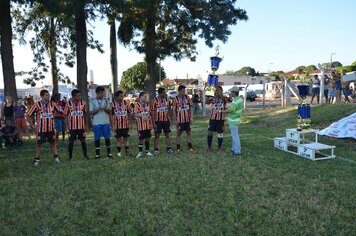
279,35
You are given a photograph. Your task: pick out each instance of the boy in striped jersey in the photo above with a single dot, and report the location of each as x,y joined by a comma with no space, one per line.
182,115
77,124
44,111
144,124
217,118
122,116
161,112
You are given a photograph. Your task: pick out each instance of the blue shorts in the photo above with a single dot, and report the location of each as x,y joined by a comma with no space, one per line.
315,91
101,131
59,125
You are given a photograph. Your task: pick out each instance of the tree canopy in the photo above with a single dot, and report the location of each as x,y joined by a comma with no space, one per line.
134,77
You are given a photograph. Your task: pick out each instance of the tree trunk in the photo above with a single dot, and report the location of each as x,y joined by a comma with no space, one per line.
81,43
7,56
150,51
113,57
53,58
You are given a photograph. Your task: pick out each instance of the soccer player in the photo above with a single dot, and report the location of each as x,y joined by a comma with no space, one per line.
101,111
76,111
217,117
44,111
161,112
122,121
144,124
182,115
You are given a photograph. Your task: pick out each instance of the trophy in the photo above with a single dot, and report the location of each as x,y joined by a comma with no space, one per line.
213,79
303,120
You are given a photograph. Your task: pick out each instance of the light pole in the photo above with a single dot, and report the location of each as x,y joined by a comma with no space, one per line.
331,59
269,67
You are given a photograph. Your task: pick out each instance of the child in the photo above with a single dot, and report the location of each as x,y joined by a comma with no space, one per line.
122,121
20,111
144,124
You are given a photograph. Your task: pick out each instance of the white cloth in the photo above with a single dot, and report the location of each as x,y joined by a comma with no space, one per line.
344,128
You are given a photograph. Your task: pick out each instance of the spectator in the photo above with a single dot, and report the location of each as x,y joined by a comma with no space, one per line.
10,133
195,101
345,88
326,87
8,110
315,89
20,111
59,121
331,90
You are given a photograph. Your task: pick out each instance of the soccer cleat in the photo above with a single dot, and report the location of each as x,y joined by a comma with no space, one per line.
170,151
86,158
127,153
56,159
149,154
156,153
191,149
109,156
36,162
220,150
139,154
70,158
177,150
118,155
208,149
97,157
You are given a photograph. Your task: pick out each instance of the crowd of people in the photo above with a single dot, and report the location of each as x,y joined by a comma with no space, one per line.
51,117
335,90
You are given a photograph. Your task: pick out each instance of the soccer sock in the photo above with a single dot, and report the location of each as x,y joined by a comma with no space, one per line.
107,144
210,140
147,145
140,146
118,149
84,148
97,147
70,150
168,147
126,148
220,141
178,146
190,145
156,148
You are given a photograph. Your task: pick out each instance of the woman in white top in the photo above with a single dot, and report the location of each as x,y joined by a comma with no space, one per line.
315,88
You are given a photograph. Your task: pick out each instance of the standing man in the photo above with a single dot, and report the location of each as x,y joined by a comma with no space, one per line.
144,124
233,119
76,110
315,89
182,115
59,122
44,111
100,110
217,118
122,121
345,87
161,112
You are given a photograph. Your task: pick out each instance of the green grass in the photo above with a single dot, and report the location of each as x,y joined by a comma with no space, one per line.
266,191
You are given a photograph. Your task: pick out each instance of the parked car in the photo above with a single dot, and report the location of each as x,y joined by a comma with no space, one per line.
251,95
172,94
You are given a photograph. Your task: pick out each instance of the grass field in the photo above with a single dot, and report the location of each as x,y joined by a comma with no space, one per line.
266,191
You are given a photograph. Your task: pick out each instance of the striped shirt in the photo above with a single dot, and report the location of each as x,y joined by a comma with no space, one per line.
76,112
143,116
218,105
182,108
120,111
161,109
44,115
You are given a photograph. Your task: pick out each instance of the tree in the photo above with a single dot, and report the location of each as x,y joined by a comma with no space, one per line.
246,71
277,74
334,64
135,76
353,63
311,68
52,36
7,56
162,28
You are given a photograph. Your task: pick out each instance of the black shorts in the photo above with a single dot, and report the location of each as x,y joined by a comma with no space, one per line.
216,126
43,137
122,133
144,134
77,133
163,125
184,127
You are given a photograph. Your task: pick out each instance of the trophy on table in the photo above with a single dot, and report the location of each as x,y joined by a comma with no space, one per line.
304,117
